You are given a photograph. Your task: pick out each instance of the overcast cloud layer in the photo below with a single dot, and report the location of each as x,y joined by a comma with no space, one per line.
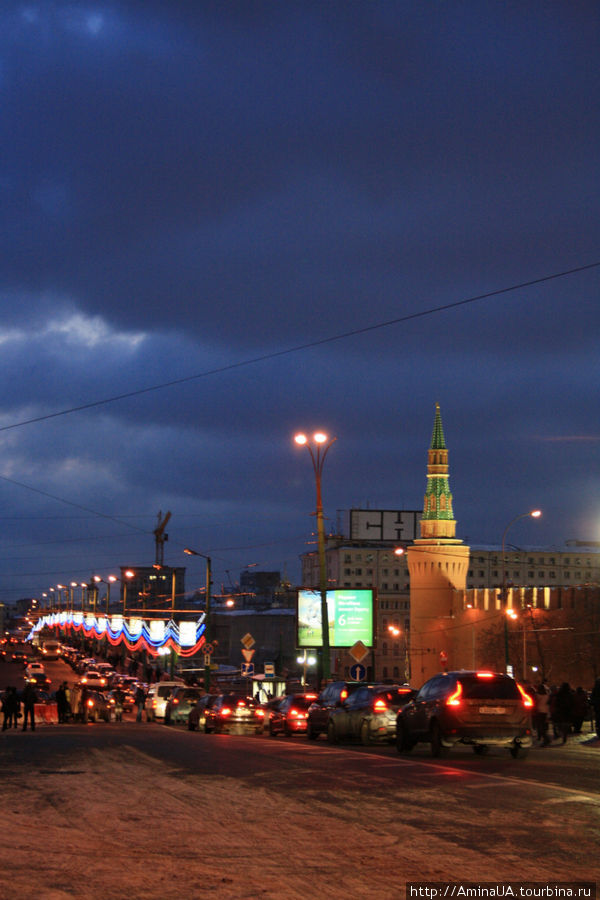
193,189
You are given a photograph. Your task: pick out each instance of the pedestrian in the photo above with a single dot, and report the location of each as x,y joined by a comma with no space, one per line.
29,698
581,709
61,703
83,703
542,703
595,704
564,705
6,709
139,700
119,697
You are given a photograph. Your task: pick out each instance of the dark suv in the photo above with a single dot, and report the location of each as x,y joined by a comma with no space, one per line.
330,698
481,709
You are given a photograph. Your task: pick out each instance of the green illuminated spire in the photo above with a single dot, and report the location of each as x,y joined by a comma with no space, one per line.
438,518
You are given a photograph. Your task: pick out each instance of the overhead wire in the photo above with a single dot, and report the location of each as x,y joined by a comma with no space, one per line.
298,348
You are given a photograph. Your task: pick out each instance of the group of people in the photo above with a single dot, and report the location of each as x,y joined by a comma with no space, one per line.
11,707
565,710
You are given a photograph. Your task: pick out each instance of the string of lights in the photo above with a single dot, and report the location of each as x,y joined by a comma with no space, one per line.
155,636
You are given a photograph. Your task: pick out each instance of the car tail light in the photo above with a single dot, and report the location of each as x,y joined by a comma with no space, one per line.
226,711
485,674
380,705
90,703
344,694
241,703
454,698
260,713
84,680
527,700
175,701
297,713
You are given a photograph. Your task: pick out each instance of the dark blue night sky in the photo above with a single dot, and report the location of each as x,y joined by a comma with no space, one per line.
191,189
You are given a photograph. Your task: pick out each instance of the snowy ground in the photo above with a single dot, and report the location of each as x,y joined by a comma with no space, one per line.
110,826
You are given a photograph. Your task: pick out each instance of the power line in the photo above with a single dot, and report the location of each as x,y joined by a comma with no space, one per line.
300,347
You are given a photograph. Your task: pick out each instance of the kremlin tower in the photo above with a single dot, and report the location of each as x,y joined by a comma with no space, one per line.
437,562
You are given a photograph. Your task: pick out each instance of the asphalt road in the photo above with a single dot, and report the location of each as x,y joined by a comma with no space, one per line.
538,814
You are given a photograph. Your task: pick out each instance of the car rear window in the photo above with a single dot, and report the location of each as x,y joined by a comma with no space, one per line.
303,702
496,688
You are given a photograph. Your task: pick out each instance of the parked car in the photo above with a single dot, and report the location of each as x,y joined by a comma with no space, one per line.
329,699
233,713
369,714
291,714
94,679
157,697
481,709
39,680
197,716
180,703
34,668
99,706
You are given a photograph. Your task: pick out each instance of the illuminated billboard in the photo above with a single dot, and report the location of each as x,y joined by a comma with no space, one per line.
350,614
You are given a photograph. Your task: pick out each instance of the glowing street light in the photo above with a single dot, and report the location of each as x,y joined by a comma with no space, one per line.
191,552
318,451
533,514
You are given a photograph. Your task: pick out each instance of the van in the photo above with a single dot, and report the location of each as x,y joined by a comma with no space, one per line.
50,649
157,696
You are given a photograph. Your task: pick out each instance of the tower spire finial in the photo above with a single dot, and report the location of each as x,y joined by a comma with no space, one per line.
438,518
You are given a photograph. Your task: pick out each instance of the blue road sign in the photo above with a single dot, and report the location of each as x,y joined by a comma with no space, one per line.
248,669
357,672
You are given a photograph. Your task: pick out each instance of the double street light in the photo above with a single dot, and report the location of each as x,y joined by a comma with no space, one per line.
533,514
191,552
318,447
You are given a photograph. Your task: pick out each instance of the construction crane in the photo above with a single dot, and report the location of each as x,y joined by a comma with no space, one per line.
160,537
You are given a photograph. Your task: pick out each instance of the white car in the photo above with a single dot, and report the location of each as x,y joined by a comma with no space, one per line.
94,679
34,668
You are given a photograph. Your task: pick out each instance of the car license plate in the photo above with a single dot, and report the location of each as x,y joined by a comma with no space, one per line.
492,710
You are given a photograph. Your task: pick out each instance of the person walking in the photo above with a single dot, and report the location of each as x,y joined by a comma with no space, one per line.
29,698
564,705
61,702
542,703
6,709
595,704
140,700
119,698
581,709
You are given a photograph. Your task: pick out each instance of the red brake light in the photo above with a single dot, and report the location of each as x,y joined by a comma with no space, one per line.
454,698
527,700
380,705
241,703
260,713
344,694
226,711
175,701
485,674
90,702
311,696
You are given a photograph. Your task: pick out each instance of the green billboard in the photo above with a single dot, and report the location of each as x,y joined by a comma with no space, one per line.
350,614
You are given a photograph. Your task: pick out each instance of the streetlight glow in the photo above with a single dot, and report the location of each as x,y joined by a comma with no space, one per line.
319,437
301,439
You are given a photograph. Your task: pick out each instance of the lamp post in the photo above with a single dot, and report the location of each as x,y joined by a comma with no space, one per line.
110,580
318,449
128,574
533,514
206,611
305,661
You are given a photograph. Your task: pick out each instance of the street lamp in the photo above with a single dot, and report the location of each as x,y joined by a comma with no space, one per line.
305,661
533,514
206,611
127,574
318,452
110,580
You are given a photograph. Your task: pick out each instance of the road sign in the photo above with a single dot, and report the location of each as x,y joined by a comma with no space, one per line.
248,641
269,670
248,654
358,651
357,672
207,659
248,669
